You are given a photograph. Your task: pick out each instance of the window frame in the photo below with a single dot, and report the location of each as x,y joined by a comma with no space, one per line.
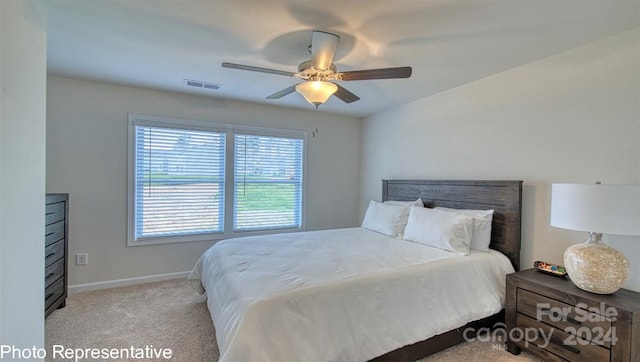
229,130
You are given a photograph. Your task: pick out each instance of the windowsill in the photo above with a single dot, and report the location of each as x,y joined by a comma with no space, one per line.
208,237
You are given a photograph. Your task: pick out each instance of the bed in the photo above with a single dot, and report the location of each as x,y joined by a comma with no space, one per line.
353,294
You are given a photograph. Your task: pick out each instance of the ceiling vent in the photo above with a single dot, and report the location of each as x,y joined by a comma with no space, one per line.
201,84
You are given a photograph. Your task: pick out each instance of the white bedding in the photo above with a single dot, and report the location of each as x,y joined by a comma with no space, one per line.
340,295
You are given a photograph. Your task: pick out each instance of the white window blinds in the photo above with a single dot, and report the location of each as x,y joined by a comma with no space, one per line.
179,181
268,182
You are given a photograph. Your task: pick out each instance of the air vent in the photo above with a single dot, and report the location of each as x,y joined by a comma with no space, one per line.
200,84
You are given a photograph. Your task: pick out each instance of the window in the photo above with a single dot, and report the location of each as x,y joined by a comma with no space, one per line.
179,190
268,182
179,182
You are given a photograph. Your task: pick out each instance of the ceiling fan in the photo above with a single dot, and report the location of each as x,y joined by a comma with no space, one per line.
320,74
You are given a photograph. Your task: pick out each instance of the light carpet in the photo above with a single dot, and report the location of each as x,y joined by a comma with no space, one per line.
171,315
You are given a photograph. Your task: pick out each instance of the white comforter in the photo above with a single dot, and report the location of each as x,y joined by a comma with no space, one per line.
340,295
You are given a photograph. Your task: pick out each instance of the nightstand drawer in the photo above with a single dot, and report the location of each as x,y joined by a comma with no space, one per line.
572,319
558,342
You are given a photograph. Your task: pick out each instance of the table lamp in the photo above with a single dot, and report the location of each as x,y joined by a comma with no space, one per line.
610,209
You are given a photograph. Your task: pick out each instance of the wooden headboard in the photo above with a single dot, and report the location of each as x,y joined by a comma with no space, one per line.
504,197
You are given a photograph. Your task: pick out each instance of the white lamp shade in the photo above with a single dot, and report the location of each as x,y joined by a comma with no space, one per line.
607,209
316,92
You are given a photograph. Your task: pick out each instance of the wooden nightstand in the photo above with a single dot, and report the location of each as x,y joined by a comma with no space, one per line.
552,318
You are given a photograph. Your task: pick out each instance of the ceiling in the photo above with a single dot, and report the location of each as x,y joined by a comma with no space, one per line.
159,43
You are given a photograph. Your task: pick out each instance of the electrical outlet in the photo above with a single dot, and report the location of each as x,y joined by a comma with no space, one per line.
82,259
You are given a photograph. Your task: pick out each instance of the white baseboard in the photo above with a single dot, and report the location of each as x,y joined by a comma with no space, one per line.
124,282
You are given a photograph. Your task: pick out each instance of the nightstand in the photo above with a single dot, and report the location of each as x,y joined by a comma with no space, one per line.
552,318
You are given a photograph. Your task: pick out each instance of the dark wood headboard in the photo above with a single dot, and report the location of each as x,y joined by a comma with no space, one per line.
504,197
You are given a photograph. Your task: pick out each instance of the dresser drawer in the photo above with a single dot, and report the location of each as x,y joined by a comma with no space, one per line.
54,212
559,342
577,319
53,252
53,233
53,272
53,292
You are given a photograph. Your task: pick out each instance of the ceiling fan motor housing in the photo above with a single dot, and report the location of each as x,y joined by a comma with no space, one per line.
307,65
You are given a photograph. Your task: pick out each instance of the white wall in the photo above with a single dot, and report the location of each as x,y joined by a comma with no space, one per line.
87,157
572,117
22,178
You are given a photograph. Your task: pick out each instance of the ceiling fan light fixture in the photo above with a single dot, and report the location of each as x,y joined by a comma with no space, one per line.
316,92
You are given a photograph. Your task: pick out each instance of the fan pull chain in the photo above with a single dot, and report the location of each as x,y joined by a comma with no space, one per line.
315,123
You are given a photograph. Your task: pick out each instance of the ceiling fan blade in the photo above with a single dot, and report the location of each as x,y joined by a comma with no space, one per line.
282,93
345,95
323,48
257,69
382,73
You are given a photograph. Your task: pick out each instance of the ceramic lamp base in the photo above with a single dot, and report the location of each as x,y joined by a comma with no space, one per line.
596,267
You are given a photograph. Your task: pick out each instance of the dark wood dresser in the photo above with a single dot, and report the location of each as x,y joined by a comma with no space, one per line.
555,320
55,252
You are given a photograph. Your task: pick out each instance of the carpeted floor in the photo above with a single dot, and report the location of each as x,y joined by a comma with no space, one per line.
171,315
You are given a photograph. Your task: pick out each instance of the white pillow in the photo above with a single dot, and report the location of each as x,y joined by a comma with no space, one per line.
481,236
440,229
386,219
418,202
